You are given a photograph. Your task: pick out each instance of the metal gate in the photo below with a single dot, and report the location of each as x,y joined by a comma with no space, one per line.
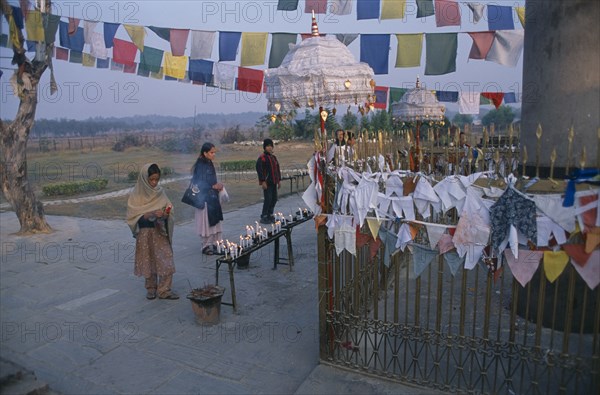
476,331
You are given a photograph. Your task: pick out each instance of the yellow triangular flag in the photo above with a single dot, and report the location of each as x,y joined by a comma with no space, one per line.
88,60
592,239
374,225
392,9
254,49
521,14
13,32
137,34
34,26
175,66
554,264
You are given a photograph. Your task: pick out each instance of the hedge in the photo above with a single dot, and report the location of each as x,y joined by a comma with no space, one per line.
238,165
75,187
164,171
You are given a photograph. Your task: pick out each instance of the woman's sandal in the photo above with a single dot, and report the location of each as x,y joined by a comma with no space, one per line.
170,296
208,250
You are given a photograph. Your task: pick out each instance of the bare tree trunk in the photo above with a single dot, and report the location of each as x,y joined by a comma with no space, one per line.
14,137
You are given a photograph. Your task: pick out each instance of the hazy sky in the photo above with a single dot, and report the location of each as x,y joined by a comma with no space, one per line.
88,92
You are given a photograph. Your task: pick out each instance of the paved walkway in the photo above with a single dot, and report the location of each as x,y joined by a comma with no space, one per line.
72,312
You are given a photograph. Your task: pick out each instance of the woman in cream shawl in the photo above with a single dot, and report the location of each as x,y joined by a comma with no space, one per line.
148,217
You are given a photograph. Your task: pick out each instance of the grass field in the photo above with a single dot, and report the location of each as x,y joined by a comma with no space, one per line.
66,166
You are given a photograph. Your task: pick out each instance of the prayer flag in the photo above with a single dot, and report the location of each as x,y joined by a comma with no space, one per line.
224,76
340,7
280,45
477,9
228,45
447,13
175,66
34,26
287,5
143,71
151,59
424,8
254,49
440,55
202,44
421,257
521,14
454,261
410,48
381,97
137,35
374,225
201,70
367,9
17,14
346,39
62,53
102,63
130,68
250,80
50,27
158,76
447,96
318,6
110,29
97,46
500,17
31,45
482,42
124,51
510,97
73,26
88,31
507,47
75,56
468,102
396,94
375,51
525,267
162,32
392,9
88,60
178,39
590,272
74,41
494,97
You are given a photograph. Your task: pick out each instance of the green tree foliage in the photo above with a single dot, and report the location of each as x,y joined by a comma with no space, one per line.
502,117
350,121
232,134
462,119
380,120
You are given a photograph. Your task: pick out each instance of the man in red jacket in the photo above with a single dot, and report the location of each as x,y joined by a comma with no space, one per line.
269,178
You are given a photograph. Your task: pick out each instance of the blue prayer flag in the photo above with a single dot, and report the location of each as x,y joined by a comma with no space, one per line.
367,9
228,45
500,17
375,51
110,29
201,70
71,41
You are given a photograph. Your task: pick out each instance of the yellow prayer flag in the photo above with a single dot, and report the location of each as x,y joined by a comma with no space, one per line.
34,26
88,60
374,225
521,15
410,47
13,32
393,9
137,34
554,264
175,66
254,49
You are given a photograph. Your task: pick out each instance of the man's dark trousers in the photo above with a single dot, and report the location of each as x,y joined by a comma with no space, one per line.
270,195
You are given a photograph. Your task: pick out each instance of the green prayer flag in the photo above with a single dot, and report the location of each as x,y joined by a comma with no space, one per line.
162,32
392,9
484,100
424,8
151,59
396,94
410,47
287,5
280,46
440,56
254,49
50,27
75,56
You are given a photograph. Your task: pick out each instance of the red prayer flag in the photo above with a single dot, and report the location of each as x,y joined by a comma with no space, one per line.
381,97
447,13
250,80
178,41
496,98
318,6
62,53
130,68
73,25
482,42
124,52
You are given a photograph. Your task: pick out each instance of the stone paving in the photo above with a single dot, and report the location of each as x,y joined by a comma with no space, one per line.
72,311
